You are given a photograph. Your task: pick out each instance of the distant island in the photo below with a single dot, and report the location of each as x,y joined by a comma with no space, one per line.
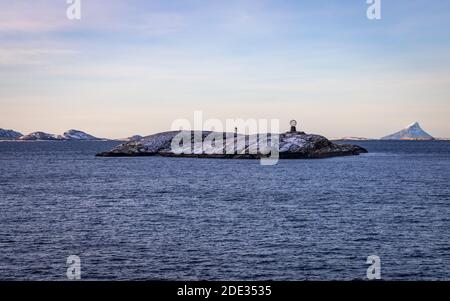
411,132
351,138
70,135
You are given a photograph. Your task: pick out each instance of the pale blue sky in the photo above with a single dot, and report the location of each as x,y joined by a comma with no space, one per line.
132,67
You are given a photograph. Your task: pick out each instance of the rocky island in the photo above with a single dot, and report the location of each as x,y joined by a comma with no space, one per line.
291,145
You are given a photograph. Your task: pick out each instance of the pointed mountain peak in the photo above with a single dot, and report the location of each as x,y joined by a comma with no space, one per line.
411,132
414,125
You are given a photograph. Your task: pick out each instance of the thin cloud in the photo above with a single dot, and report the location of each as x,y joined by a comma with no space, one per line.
49,17
35,56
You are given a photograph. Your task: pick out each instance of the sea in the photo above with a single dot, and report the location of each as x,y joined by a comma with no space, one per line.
157,218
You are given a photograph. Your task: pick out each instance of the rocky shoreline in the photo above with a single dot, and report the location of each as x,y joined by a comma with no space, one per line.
291,145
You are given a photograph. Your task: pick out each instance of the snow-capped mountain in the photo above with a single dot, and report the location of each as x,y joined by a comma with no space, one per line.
71,135
40,136
78,135
412,132
9,134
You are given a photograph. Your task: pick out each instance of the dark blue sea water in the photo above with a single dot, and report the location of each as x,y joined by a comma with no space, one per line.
186,219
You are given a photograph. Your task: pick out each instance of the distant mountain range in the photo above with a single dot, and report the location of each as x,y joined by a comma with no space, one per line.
411,132
70,135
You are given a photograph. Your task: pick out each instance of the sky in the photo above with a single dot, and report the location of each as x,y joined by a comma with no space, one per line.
133,67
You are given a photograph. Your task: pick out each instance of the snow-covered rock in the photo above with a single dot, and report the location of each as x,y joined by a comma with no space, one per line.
78,135
9,134
40,136
412,132
290,145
